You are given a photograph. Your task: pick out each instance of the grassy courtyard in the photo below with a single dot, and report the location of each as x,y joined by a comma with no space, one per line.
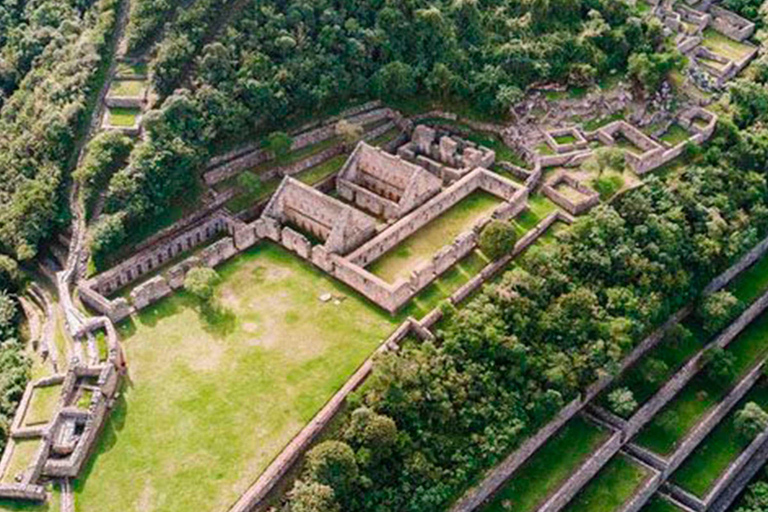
675,135
21,458
127,88
721,447
549,467
725,46
611,487
660,505
119,116
42,405
419,248
213,396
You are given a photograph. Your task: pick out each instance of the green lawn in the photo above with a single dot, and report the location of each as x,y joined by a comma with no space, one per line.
719,449
419,248
119,116
675,135
42,405
22,457
725,46
599,122
610,488
660,505
52,505
624,143
127,88
213,396
670,426
539,206
440,289
544,149
751,283
549,467
565,139
127,68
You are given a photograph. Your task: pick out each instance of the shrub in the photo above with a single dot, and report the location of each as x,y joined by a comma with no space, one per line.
313,497
332,463
608,185
199,281
750,421
717,309
622,401
497,239
719,365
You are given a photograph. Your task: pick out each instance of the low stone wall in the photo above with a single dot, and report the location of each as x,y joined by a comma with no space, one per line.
731,24
226,166
739,480
584,474
22,492
579,143
590,200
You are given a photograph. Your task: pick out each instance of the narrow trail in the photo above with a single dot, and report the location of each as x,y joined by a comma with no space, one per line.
78,255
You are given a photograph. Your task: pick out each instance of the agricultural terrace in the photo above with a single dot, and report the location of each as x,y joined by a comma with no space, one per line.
213,395
611,487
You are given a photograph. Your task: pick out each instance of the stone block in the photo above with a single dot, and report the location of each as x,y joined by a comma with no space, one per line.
152,290
444,259
448,148
422,138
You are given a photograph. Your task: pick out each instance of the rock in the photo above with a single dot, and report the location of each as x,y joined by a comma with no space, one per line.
325,297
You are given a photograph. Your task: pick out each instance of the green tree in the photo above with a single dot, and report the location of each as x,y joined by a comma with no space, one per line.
622,401
332,463
312,497
750,421
497,239
279,143
249,183
200,282
717,309
719,365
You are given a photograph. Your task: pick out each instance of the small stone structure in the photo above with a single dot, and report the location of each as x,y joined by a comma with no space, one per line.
587,198
384,184
448,157
579,142
70,436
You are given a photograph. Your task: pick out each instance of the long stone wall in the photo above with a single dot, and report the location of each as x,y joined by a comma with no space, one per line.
222,168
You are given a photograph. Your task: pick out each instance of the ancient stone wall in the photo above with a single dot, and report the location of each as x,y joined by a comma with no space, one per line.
226,166
584,474
731,24
589,200
402,229
133,268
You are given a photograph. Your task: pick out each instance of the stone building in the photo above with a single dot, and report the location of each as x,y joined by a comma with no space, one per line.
340,227
384,184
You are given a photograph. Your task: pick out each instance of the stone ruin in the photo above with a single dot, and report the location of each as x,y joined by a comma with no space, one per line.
340,227
347,240
688,22
585,199
446,156
384,184
88,391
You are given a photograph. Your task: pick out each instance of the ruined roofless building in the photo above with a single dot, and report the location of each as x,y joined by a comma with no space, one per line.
340,227
384,184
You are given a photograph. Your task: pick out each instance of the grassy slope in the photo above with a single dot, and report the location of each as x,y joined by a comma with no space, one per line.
610,488
719,449
211,399
670,426
548,468
42,405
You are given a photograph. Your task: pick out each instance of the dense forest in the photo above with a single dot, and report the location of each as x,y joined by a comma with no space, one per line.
279,61
49,68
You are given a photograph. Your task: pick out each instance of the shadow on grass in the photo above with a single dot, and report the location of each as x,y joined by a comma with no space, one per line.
107,438
218,321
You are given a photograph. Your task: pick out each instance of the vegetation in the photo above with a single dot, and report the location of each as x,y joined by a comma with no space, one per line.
497,239
41,119
200,281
